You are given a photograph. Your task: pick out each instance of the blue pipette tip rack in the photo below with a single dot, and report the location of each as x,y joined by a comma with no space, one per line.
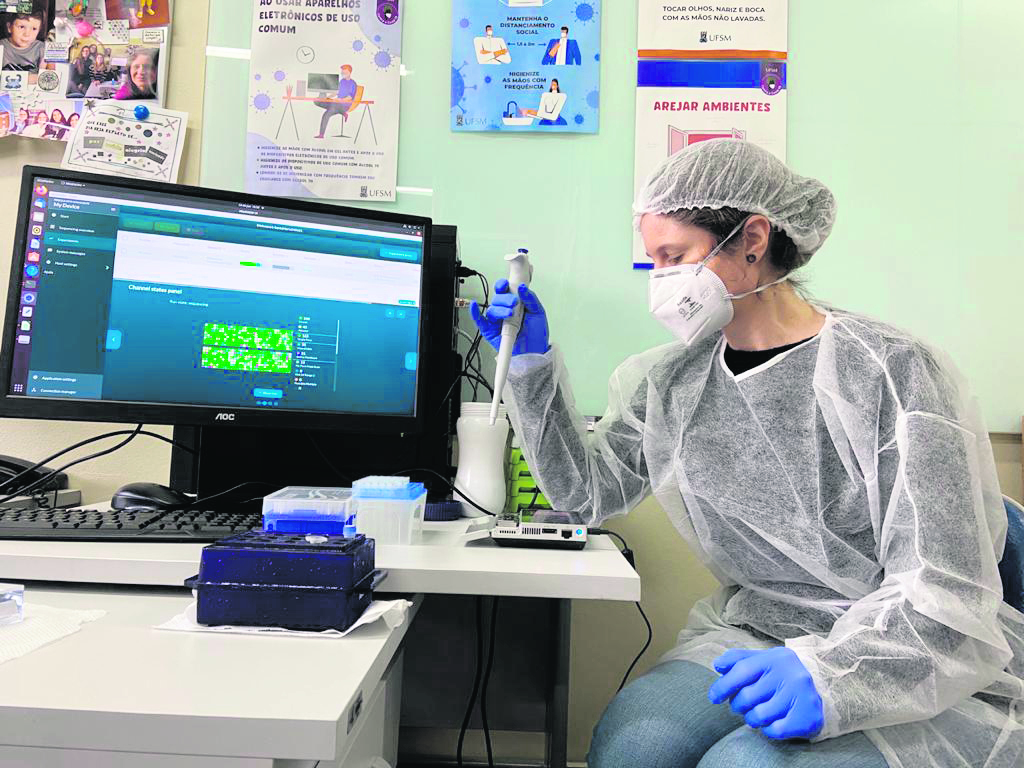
308,581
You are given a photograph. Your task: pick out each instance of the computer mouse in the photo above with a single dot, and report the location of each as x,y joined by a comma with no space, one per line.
148,496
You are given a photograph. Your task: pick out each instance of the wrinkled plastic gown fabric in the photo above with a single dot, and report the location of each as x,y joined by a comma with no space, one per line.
844,494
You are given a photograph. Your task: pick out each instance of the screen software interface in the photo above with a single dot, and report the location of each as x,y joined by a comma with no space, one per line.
136,296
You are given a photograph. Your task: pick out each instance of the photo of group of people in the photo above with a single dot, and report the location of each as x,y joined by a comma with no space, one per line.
112,72
55,54
43,124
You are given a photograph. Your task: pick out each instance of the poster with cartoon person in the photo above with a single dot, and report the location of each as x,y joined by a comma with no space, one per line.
541,54
324,102
489,49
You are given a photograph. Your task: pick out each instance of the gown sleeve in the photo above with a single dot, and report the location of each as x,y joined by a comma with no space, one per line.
928,636
592,476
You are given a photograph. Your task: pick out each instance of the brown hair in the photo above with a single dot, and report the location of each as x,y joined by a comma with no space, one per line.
782,252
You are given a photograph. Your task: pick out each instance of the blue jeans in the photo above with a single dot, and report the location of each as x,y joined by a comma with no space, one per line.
664,720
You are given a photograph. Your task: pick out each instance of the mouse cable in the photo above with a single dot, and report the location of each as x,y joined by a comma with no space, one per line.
40,481
87,441
631,559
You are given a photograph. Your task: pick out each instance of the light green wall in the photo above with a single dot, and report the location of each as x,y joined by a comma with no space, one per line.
904,108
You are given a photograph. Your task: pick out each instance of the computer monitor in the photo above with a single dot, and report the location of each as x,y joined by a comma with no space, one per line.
134,301
321,82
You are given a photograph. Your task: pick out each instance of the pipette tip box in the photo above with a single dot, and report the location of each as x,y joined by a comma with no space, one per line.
304,509
309,582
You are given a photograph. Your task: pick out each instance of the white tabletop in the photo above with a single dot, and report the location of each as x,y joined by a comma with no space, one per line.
447,562
119,684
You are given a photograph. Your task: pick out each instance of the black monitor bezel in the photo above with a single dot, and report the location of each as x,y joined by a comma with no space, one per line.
20,406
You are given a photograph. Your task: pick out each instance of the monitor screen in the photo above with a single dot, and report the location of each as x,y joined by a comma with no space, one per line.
317,82
128,293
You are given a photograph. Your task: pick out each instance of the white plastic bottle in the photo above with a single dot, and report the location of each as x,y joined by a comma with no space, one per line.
481,472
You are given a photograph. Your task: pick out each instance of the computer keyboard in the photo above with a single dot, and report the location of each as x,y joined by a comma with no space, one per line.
124,525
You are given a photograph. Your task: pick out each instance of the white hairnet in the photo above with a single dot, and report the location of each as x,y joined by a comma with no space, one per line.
845,496
729,173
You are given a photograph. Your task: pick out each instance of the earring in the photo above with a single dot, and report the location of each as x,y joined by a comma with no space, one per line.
751,258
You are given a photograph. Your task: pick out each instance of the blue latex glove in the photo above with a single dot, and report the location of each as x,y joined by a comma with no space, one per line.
773,691
533,335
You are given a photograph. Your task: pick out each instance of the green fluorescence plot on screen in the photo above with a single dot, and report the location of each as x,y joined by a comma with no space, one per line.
237,359
247,336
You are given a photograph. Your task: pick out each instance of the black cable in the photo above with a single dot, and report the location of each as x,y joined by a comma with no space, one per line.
487,288
482,381
193,504
625,546
487,680
631,559
476,678
41,480
447,482
650,637
474,348
87,441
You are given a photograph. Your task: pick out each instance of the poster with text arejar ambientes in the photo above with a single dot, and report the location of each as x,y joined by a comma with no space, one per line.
324,82
706,71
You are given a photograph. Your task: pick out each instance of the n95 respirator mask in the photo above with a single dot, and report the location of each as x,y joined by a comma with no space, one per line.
691,300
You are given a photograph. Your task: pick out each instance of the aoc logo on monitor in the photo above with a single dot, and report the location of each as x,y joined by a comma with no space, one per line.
224,417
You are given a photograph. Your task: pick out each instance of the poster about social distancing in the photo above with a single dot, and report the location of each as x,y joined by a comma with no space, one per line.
59,58
324,83
526,65
705,72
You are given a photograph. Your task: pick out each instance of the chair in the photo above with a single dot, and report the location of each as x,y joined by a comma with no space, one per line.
1011,567
356,101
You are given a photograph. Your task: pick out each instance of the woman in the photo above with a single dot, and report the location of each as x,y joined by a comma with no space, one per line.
98,70
73,119
80,74
142,71
831,472
551,104
57,128
37,127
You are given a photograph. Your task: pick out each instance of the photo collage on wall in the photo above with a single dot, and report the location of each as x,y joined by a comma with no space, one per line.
60,58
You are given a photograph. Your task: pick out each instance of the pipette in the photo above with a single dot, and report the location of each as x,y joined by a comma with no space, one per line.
519,273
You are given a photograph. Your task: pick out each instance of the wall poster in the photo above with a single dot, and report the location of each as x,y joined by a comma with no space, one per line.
704,72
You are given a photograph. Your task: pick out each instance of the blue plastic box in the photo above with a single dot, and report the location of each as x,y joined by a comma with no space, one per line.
309,582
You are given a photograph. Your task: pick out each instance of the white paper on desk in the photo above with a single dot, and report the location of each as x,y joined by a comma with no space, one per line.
42,625
109,139
393,612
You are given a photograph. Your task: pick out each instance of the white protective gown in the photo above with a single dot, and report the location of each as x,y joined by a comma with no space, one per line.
844,494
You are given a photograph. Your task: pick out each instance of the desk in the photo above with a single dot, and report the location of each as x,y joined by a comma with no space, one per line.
445,563
174,699
289,109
